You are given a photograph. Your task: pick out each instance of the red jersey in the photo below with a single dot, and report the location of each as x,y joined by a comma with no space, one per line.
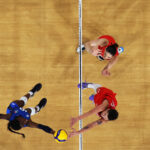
104,93
111,42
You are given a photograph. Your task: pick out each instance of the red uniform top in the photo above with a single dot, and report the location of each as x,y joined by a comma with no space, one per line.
104,93
111,42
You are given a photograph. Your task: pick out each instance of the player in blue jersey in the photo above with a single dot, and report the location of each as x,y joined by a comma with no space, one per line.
19,118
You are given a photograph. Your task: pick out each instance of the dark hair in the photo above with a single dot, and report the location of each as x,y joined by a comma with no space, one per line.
112,49
112,114
15,125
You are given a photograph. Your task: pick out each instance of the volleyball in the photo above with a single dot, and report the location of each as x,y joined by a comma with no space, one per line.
60,136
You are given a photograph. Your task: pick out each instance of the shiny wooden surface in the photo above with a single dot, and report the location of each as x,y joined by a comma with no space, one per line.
37,44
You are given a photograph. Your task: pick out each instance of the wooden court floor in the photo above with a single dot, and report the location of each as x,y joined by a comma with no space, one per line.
38,39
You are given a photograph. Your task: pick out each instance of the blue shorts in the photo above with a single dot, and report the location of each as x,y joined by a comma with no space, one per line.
11,106
16,111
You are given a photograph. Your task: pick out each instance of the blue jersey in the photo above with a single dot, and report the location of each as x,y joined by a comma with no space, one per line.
16,111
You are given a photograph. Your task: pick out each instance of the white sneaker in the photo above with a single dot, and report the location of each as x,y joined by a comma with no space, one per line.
83,48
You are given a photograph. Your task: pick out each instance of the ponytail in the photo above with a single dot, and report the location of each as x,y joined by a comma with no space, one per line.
14,124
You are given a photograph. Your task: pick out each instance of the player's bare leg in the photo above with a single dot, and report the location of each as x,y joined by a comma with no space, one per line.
23,100
32,111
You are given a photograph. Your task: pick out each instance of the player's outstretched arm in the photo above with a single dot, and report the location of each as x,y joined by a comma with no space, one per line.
91,125
40,126
111,63
87,127
95,110
4,116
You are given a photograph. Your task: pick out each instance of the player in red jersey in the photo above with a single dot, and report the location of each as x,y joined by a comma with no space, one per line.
105,48
105,104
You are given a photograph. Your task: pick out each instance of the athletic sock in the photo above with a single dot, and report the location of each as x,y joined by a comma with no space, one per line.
37,108
31,93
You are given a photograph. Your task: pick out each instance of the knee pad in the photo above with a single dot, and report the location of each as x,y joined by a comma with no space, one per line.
33,111
25,99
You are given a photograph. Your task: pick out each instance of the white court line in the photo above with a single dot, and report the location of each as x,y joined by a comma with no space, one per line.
80,71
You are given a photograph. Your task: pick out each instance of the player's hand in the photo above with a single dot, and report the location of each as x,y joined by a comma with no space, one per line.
105,72
73,121
73,133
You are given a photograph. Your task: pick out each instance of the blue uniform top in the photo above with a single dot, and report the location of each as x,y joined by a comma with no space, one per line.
16,111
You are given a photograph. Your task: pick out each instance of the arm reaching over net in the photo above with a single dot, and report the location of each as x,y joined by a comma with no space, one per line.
87,127
95,110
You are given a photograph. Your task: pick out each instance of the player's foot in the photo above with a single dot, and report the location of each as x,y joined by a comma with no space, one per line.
83,48
91,98
36,88
84,85
42,103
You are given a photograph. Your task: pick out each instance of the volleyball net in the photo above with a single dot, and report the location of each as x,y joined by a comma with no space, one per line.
80,72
